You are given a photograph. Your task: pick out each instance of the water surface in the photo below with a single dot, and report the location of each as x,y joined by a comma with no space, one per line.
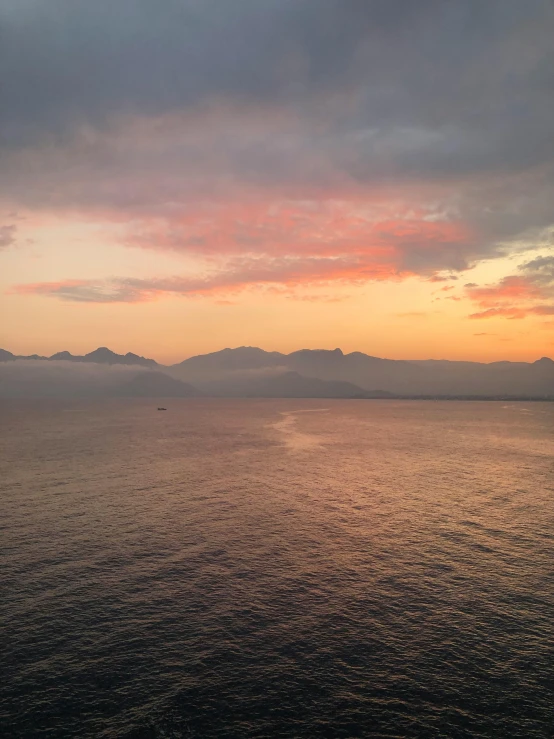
277,568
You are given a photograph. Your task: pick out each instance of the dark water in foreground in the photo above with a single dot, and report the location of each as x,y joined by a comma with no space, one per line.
252,569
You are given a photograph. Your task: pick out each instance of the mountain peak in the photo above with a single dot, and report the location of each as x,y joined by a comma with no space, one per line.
102,351
246,350
318,353
103,355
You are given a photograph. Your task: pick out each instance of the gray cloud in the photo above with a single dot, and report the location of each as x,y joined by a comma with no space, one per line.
540,271
140,107
7,236
451,86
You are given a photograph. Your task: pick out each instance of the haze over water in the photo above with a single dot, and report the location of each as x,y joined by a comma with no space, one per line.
277,568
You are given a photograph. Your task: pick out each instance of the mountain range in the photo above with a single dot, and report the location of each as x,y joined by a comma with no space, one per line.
102,355
253,372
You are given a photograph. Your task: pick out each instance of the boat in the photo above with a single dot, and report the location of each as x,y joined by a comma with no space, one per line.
162,409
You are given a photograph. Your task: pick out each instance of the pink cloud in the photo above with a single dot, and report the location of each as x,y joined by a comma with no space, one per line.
255,244
311,228
515,313
530,293
238,274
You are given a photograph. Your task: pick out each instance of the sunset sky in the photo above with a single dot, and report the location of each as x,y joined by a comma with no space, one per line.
178,176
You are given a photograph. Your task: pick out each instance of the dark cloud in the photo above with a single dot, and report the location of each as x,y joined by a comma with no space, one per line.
137,108
451,85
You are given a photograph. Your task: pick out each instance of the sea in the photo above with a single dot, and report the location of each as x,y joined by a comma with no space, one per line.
277,568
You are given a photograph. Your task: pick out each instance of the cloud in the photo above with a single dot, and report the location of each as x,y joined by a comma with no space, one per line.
372,89
528,293
288,244
7,236
238,274
87,291
315,228
395,138
401,75
442,278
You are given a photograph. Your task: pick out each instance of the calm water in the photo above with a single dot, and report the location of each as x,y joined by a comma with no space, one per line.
278,569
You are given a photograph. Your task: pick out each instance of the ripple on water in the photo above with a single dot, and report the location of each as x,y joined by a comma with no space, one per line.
277,569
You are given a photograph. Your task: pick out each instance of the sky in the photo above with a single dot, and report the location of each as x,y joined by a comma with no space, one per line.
180,176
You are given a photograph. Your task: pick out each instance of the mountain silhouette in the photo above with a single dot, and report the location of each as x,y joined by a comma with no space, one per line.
286,385
251,371
399,377
154,385
103,355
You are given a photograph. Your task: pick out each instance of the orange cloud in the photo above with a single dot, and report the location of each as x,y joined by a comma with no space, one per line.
255,244
86,291
531,293
237,275
514,313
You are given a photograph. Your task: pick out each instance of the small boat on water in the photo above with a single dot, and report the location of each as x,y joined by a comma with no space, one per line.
162,409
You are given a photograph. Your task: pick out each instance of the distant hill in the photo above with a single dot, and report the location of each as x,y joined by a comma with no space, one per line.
286,385
399,377
216,364
64,380
252,371
102,355
6,356
154,385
